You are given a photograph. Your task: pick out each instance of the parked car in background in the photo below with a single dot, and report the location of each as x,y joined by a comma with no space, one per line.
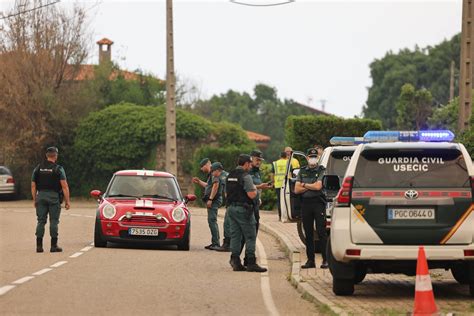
8,187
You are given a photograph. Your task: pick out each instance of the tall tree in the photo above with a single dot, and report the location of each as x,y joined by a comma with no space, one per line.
413,108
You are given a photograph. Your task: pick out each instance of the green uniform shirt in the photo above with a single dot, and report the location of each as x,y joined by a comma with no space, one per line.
248,182
311,175
256,179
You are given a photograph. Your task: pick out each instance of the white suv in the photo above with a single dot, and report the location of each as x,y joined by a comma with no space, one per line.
395,197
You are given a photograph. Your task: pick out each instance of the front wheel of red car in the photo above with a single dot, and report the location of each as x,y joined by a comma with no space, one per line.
98,239
184,244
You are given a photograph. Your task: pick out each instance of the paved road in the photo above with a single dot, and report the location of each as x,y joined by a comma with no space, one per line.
84,280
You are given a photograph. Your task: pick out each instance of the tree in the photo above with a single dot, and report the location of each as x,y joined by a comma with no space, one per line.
413,108
40,50
445,117
427,67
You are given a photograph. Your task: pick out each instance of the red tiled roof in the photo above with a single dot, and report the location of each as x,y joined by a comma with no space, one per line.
105,41
86,72
259,138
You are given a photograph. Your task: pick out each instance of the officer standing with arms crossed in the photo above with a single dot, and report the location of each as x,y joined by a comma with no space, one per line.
313,206
240,195
48,185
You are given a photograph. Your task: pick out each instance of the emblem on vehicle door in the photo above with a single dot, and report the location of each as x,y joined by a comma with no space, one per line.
411,194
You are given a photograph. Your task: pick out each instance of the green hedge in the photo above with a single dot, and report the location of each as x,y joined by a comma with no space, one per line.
124,136
305,131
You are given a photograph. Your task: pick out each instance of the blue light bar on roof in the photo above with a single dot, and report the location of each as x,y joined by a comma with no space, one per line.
346,141
409,136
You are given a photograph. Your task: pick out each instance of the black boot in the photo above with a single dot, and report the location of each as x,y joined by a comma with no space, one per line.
308,265
39,245
245,262
236,264
54,245
225,246
252,266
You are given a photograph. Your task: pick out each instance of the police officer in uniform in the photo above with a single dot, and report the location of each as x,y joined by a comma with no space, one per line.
240,195
48,187
257,158
313,206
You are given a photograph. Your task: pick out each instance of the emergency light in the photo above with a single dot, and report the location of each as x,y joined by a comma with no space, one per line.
409,136
346,141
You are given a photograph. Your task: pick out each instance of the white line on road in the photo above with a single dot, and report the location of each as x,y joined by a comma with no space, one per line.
23,280
265,282
5,289
77,254
86,248
58,264
76,215
40,272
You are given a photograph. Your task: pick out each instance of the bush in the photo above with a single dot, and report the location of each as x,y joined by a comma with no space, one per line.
123,136
305,131
229,134
268,197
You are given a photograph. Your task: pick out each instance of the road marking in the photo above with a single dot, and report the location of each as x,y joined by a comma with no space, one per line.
75,215
58,264
40,272
77,254
5,289
86,248
265,281
23,280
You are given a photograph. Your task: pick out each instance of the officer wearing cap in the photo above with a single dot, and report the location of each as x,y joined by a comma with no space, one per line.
241,192
313,206
212,207
48,187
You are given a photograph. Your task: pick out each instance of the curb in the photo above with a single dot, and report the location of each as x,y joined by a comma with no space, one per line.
296,280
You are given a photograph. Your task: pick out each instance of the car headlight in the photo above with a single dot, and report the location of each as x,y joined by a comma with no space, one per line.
178,214
109,211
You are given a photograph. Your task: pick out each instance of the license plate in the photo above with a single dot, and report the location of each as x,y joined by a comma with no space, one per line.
143,231
411,213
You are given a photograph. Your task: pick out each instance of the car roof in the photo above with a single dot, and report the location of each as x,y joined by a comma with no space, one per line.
149,173
344,148
411,145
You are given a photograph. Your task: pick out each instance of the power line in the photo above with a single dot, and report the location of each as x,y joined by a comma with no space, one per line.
261,5
29,10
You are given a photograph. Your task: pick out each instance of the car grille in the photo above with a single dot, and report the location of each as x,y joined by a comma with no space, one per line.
143,221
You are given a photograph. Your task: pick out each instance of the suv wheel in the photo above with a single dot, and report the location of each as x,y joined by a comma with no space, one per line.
343,274
359,273
460,273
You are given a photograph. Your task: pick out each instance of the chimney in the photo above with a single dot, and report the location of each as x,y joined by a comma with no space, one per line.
105,50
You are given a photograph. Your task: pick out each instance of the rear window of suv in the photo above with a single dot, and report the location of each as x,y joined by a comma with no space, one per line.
402,168
338,162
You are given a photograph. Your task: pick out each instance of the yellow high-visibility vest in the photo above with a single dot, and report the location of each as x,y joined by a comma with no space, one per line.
280,167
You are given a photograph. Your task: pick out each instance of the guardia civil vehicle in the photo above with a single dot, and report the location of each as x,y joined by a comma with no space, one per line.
402,190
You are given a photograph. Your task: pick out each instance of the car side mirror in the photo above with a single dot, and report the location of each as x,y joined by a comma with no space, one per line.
331,183
190,198
96,194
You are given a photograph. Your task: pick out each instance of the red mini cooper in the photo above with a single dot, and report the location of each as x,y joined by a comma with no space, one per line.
143,206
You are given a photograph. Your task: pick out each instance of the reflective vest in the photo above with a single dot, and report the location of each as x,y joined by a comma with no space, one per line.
280,167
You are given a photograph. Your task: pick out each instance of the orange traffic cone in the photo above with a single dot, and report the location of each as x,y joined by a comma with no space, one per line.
424,298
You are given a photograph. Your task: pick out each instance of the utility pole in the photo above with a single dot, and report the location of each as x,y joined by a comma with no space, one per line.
171,155
451,82
465,65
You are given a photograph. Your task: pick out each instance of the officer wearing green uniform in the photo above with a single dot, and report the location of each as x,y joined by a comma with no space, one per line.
211,185
220,175
313,206
257,158
241,192
48,187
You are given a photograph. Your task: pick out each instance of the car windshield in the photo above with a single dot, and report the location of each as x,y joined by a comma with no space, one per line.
338,162
4,171
419,168
143,186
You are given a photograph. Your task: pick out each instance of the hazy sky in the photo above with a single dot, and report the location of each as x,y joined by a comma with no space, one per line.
308,50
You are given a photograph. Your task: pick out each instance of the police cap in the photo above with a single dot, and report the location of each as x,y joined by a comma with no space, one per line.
243,158
203,162
312,152
257,153
216,165
52,150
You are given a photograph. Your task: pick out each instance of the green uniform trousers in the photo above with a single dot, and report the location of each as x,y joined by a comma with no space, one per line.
213,226
242,225
47,202
227,225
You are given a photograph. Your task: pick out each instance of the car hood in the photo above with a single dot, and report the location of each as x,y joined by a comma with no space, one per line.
143,205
